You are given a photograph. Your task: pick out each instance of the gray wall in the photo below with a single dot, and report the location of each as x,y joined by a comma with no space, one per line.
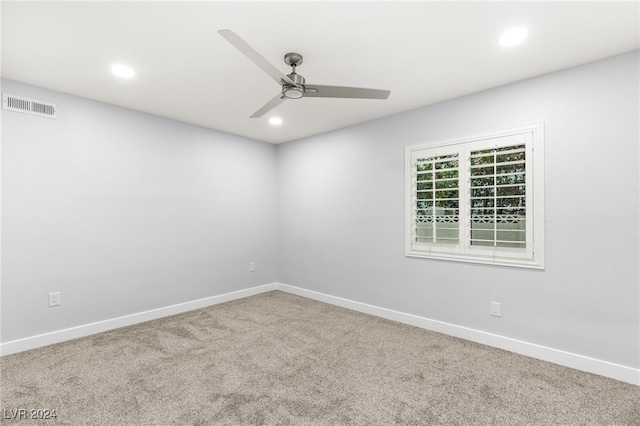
124,212
341,215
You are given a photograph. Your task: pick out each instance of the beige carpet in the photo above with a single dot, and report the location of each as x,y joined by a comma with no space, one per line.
278,359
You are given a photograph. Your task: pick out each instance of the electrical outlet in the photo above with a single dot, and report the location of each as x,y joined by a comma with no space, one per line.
54,299
252,266
496,309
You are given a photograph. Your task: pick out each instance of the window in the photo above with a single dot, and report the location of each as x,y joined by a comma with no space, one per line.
478,199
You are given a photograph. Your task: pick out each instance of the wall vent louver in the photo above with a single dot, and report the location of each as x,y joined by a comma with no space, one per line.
29,106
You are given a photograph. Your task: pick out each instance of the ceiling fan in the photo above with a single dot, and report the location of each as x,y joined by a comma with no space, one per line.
294,85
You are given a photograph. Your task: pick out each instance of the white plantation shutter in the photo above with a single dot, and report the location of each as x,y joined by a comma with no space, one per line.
475,199
437,198
498,197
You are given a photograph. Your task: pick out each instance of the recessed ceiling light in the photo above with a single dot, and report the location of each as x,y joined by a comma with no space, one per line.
275,121
123,71
513,36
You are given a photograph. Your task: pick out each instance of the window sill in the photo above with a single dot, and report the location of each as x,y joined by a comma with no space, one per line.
486,260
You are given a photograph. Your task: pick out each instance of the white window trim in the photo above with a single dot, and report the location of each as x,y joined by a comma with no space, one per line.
534,256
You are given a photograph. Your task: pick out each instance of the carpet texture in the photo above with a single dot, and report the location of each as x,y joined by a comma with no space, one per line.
279,359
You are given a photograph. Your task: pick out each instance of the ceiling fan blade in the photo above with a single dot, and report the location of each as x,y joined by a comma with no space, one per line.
269,106
316,91
257,59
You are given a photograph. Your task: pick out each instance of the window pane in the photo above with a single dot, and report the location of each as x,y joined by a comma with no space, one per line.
482,181
482,230
452,183
510,153
482,157
511,202
510,179
480,171
424,232
447,204
446,230
424,177
482,202
510,168
447,194
511,232
422,166
511,190
424,185
488,191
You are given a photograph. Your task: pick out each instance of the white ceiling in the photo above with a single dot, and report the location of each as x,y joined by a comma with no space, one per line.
424,52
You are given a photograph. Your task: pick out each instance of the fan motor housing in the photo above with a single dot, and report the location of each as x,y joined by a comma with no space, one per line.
296,78
294,92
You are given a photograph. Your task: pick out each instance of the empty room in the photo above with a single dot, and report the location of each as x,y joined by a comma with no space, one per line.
320,213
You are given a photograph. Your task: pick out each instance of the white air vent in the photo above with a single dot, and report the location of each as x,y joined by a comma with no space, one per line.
28,106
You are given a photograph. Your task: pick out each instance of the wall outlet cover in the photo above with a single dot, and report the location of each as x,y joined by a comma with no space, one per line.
54,299
496,309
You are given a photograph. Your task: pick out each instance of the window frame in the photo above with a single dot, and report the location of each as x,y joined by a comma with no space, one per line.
532,256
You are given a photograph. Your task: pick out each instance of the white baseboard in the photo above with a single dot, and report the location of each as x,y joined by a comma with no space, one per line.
58,336
556,356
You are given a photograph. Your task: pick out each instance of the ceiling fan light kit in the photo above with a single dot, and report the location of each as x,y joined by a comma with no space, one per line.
292,92
294,85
